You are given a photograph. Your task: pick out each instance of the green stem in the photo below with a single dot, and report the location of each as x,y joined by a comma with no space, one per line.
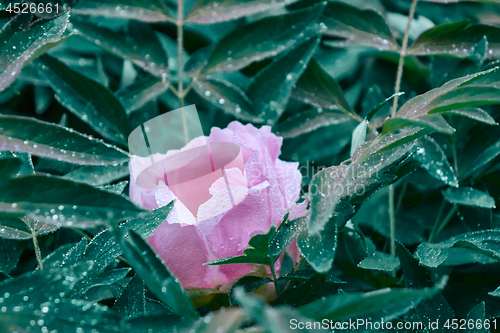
397,87
455,159
275,279
38,253
401,196
81,233
438,217
447,219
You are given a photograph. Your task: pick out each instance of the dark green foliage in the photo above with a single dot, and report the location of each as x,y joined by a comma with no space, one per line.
74,83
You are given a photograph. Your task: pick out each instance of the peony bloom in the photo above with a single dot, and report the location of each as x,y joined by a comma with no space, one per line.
199,230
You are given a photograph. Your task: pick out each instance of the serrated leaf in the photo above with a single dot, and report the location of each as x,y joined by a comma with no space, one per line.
262,39
469,196
458,39
62,202
272,86
140,44
356,26
435,162
147,11
480,246
92,103
40,138
319,248
285,234
137,94
19,46
226,96
319,89
156,275
210,11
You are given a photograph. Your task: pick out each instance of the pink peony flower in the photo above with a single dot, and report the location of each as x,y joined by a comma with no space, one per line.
188,239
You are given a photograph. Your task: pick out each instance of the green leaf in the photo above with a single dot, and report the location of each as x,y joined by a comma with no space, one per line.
495,292
88,100
272,86
156,275
307,121
139,44
273,320
11,252
19,46
137,94
385,304
62,202
226,96
380,261
319,89
39,138
304,293
359,136
257,253
248,284
132,302
263,39
416,277
435,162
474,113
9,166
435,123
457,39
480,246
379,106
98,175
477,315
210,11
469,196
285,234
354,26
319,248
147,11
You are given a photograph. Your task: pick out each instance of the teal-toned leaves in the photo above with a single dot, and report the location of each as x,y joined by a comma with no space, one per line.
62,202
480,246
263,39
210,11
319,89
319,248
44,139
354,26
358,136
469,196
140,44
11,252
247,283
88,100
304,293
137,94
458,39
435,162
271,88
98,175
147,11
474,113
226,96
415,276
19,46
383,304
156,275
257,253
9,166
285,234
380,261
478,315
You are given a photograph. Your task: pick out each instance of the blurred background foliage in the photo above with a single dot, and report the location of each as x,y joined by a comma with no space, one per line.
74,82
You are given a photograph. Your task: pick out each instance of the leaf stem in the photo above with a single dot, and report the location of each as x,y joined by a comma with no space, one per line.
397,87
438,217
447,219
38,252
275,279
